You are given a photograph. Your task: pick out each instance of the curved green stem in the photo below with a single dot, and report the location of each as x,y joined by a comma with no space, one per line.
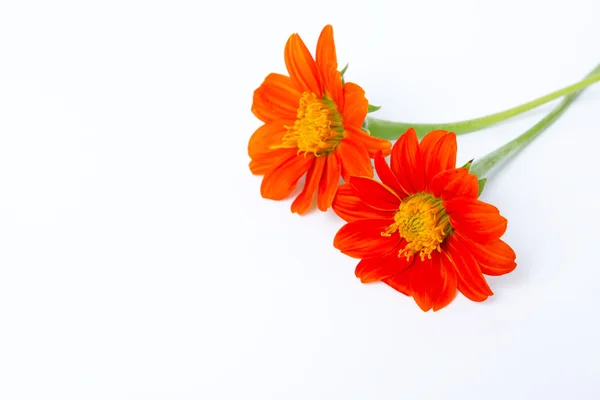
392,130
483,165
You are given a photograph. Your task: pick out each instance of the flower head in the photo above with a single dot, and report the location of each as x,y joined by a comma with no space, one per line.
312,127
422,229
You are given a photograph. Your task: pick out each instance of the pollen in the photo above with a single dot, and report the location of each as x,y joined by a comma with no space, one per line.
423,223
318,128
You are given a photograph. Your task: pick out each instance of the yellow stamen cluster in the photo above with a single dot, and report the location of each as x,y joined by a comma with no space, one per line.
318,128
422,221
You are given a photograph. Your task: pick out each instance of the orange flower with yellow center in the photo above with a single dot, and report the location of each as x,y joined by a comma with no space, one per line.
312,127
422,229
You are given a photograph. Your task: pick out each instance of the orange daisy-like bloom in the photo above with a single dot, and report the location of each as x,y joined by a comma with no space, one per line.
312,126
422,229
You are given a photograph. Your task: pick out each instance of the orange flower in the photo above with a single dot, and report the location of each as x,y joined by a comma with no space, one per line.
312,127
422,230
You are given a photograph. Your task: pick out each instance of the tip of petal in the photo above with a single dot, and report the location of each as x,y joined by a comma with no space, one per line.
410,131
300,207
424,306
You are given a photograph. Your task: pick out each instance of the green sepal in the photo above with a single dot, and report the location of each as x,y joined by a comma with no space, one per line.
343,71
481,183
468,165
373,108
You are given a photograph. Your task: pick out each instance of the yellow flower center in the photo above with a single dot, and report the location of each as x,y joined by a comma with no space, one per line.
423,222
318,128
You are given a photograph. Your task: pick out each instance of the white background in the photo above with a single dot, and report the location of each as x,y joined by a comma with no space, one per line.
138,260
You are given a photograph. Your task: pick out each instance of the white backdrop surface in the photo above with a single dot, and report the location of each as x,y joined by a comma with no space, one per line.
138,260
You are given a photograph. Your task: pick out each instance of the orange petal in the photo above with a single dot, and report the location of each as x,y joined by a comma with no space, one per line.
465,186
354,158
439,182
438,149
304,199
260,165
447,292
301,66
333,87
279,182
328,66
401,281
432,285
476,220
349,207
387,176
470,280
259,168
276,98
378,268
495,258
407,163
330,180
373,144
356,105
429,141
326,54
375,194
266,136
362,238
425,282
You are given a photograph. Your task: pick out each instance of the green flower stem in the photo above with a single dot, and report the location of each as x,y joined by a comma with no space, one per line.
392,130
483,165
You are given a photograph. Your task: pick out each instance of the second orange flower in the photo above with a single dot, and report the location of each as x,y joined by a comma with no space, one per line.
422,229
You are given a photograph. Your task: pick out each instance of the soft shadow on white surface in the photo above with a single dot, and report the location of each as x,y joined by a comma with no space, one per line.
138,260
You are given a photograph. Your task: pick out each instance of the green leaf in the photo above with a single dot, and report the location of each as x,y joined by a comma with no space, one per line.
373,108
481,185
